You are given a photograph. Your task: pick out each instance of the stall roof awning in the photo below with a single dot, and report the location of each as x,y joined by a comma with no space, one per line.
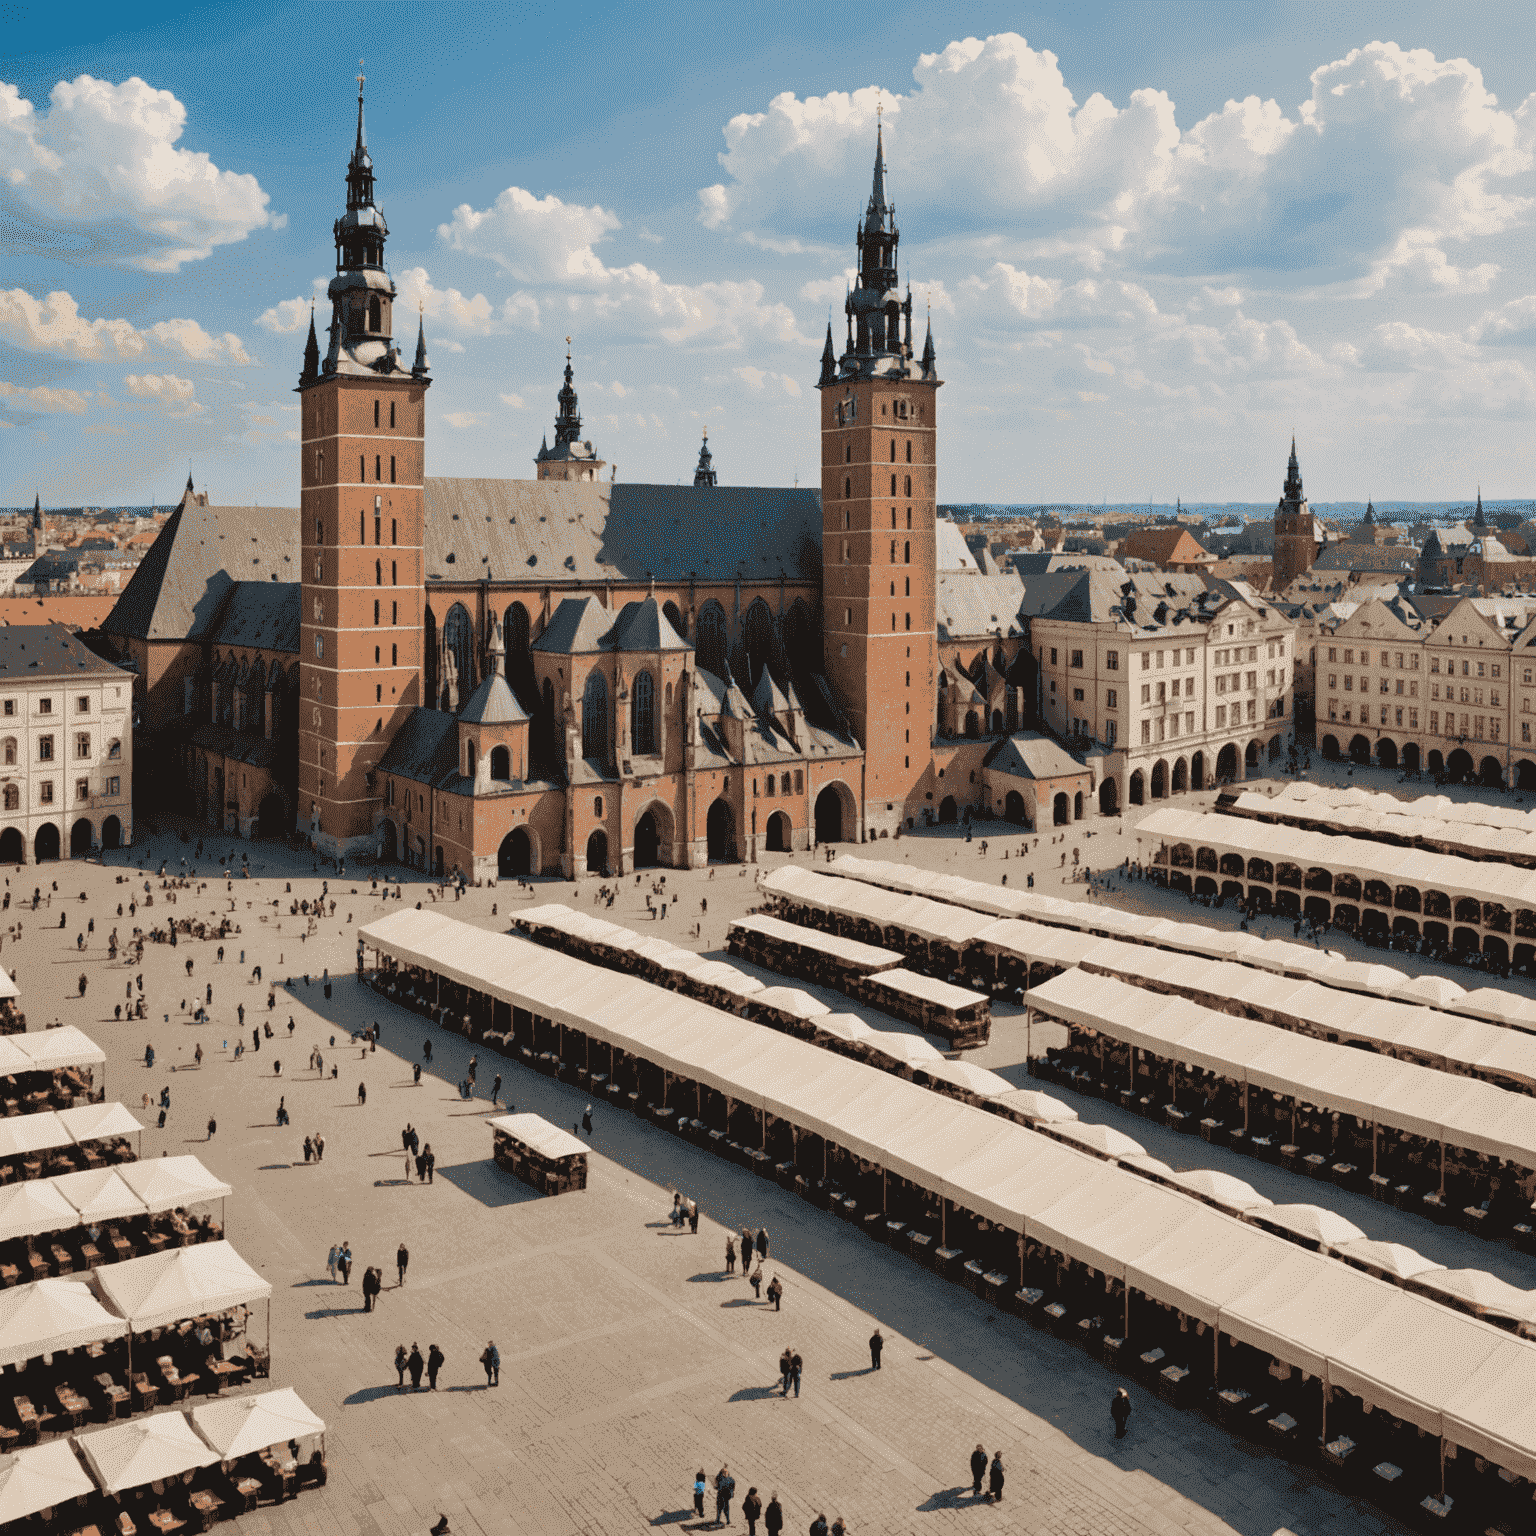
96,1122
50,1049
99,1194
21,1134
50,1315
235,1427
34,1206
39,1478
868,957
163,1183
141,1451
179,1283
539,1135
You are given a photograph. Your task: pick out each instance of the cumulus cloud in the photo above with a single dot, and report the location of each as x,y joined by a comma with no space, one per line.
44,397
177,395
194,343
285,317
99,177
55,324
463,419
535,239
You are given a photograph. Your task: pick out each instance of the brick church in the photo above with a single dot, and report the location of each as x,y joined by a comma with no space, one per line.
561,674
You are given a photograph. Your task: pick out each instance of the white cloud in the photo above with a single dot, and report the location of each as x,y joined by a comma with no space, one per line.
194,343
536,240
55,324
43,397
177,395
463,419
285,317
515,401
102,163
444,306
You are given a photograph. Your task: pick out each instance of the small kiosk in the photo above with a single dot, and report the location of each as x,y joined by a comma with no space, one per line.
550,1160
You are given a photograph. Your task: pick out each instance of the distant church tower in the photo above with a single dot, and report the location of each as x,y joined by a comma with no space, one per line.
363,426
1295,533
704,475
570,458
879,409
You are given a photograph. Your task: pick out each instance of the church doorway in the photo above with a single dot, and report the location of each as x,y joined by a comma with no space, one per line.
720,831
1109,799
272,820
948,813
647,842
778,833
515,856
1060,813
389,850
111,834
597,853
1227,762
1013,807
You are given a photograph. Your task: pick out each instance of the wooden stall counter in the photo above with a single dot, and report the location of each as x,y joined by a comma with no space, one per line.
541,1155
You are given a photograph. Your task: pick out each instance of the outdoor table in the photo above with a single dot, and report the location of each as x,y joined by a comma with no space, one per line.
1262,1147
164,1520
1343,1172
1381,1187
1209,1127
63,1259
1315,1163
207,1506
1152,1361
75,1406
1027,1299
944,1259
1437,1509
972,1274
222,1371
1056,1311
893,1231
38,1264
1337,1452
91,1254
1435,1207
121,1247
1284,1428
249,1490
1112,1348
1387,1472
1171,1381
1228,1401
9,1275
994,1282
116,1396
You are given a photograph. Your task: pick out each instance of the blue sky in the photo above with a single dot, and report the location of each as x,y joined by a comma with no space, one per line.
1155,238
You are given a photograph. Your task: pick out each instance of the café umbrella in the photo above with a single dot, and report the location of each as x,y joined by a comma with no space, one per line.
236,1427
141,1451
40,1477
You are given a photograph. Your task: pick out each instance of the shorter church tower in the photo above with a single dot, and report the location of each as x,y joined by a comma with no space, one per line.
570,458
705,475
1295,532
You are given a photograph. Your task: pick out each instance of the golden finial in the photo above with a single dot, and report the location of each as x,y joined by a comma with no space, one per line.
361,77
879,105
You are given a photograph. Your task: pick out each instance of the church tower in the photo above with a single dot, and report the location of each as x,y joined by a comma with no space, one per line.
363,424
571,458
878,457
1295,533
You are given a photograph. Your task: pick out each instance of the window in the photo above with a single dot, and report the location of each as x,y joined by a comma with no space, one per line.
1077,695
394,529
375,610
1221,716
1146,660
394,573
1146,693
45,791
10,704
45,749
82,789
1111,699
1053,655
394,655
1077,658
594,718
83,704
362,471
391,413
320,647
643,721
1146,733
82,744
12,798
391,469
1111,661
394,613
378,573
45,706
1111,732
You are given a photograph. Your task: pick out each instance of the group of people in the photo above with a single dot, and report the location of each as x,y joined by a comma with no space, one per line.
753,1275
418,1155
410,1362
753,1509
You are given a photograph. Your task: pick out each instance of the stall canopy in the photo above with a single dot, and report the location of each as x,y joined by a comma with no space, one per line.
12,1058
536,1133
1302,1307
163,1183
96,1122
34,1206
23,1134
1390,1260
1221,1189
1035,1105
50,1049
99,1194
1462,1111
178,1283
238,1426
39,1478
141,1451
50,1315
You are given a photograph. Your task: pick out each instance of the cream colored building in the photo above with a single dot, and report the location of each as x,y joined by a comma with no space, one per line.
1458,697
1165,696
66,747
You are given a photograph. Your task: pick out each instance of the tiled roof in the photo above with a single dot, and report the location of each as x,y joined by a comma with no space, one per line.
33,651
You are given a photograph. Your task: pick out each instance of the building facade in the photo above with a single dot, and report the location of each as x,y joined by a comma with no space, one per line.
66,747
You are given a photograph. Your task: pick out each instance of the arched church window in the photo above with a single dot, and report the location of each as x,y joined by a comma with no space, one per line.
594,718
710,643
643,720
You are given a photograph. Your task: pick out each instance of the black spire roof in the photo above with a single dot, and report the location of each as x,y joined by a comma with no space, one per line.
568,439
311,354
421,368
1293,491
704,475
828,361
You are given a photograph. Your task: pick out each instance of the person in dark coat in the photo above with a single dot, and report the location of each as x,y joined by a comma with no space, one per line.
752,1511
400,1361
693,1217
773,1516
402,1262
784,1363
775,1292
876,1344
435,1359
995,1477
725,1491
730,1256
819,1526
1120,1411
762,1243
421,1169
415,1365
978,1470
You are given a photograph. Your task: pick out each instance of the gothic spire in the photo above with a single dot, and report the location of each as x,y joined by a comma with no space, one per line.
1293,490
877,204
1479,521
828,360
421,368
568,420
311,354
704,475
930,357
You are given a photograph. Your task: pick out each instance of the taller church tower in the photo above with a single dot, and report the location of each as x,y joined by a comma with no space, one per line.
1295,532
363,423
878,458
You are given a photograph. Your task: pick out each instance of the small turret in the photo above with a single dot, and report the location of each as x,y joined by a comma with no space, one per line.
421,367
311,354
828,361
704,474
930,356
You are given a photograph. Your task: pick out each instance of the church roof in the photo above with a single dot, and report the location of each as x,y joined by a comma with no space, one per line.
1163,546
968,604
492,703
643,626
179,589
577,627
550,530
767,696
264,615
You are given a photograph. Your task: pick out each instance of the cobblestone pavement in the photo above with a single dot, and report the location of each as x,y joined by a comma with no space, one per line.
628,1360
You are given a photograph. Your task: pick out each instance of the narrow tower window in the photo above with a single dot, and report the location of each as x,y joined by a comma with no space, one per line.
394,528
392,422
362,469
378,465
375,414
375,612
909,480
392,473
319,531
394,574
847,489
893,485
909,441
893,450
375,315
378,573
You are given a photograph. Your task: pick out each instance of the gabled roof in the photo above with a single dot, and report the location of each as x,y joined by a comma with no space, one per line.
492,703
179,588
643,626
1163,546
578,626
425,748
263,615
35,651
968,604
951,552
767,697
1029,755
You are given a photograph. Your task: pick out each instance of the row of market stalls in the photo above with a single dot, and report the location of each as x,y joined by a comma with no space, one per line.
84,1125
1469,830
1464,906
225,1437
841,896
30,1063
1324,1347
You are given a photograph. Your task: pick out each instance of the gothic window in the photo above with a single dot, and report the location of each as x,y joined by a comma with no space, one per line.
459,642
594,718
392,471
378,573
643,719
847,488
430,656
710,645
319,531
374,319
377,463
759,640
908,560
893,485
501,763
362,469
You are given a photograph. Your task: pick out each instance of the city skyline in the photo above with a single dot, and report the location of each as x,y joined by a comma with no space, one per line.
1146,265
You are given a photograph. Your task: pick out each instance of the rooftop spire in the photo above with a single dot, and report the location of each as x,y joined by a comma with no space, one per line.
1293,490
828,359
877,205
704,475
362,137
421,368
311,352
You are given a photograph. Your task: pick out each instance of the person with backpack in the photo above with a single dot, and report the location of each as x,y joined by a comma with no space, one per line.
491,1360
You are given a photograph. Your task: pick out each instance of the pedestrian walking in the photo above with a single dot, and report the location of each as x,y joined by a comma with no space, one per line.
775,1292
415,1365
213,1125
401,1359
995,1478
162,1120
773,1516
491,1360
730,1255
978,1470
725,1491
197,1055
762,1243
309,1152
693,1217
700,1488
421,1169
431,1158
362,1093
435,1358
819,1525
1120,1411
785,1361
757,1282
586,1121
496,1088
426,1050
794,1371
335,1252
751,1511
370,1288
876,1344
402,1259
344,1263
416,1073
319,1147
